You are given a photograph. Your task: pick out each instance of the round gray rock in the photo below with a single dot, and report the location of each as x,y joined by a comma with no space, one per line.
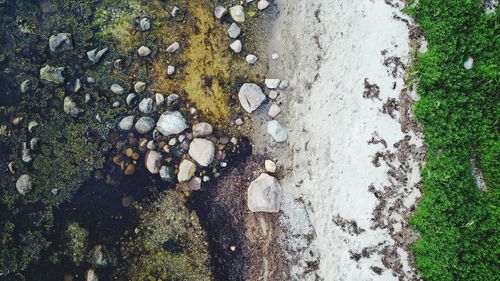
277,131
145,125
202,129
251,97
126,123
264,194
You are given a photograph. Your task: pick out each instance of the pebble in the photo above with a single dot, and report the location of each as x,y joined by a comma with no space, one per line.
25,86
115,104
166,174
151,145
469,63
273,95
25,153
270,166
273,111
172,100
160,99
172,142
126,123
32,125
283,85
186,170
239,122
131,99
91,275
52,74
202,129
76,85
237,13
170,70
146,106
90,80
236,46
234,31
144,24
251,97
153,160
139,87
251,59
174,11
145,125
173,47
275,56
272,83
202,151
129,170
95,56
277,131
263,4
219,12
143,51
87,98
117,89
195,184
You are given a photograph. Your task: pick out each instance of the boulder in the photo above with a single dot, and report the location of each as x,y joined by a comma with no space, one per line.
237,13
126,123
60,42
52,74
153,161
264,194
95,56
145,125
171,123
234,31
251,97
277,131
202,129
24,184
186,170
202,151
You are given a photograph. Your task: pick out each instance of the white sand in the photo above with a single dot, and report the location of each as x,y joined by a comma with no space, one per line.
327,48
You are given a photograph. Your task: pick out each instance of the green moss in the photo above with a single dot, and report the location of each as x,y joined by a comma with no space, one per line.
77,240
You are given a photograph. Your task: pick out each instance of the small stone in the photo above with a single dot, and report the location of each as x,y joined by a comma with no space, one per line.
220,12
118,160
117,64
263,4
91,275
174,11
54,191
129,170
126,123
275,129
172,100
237,13
236,46
202,151
25,86
145,125
283,85
234,31
32,125
117,89
60,42
193,111
264,194
186,170
52,74
273,95
234,140
206,178
71,108
173,47
270,166
166,174
239,122
24,184
170,70
172,142
272,83
76,85
153,160
151,145
275,56
251,59
195,184
25,153
146,106
469,63
139,87
34,143
251,97
95,56
115,104
202,129
131,99
160,99
171,123
273,111
144,24
143,51
90,80
87,98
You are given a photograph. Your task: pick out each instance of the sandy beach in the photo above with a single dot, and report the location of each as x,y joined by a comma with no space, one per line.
351,163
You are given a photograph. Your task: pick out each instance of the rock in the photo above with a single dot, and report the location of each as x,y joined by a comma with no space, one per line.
131,99
139,87
275,129
186,170
202,129
34,143
263,4
24,184
87,98
195,184
237,13
160,99
95,56
71,108
91,275
52,74
251,97
239,122
166,174
118,64
129,170
32,125
172,100
173,47
117,89
25,153
171,123
90,80
75,85
146,106
236,46
151,145
60,42
270,166
264,194
153,161
283,85
145,125
99,256
251,59
172,142
275,56
174,11
144,24
272,83
202,151
143,51
170,70
469,63
126,123
118,159
273,95
220,12
273,111
98,118
25,86
234,31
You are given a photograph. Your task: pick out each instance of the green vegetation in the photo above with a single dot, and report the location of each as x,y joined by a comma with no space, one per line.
458,109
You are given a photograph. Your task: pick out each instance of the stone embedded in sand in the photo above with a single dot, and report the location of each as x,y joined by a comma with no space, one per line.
131,99
251,97
272,83
236,46
277,131
171,123
173,47
60,42
234,31
273,95
273,111
283,85
143,51
264,194
52,74
24,184
202,129
117,89
153,161
126,123
145,125
202,151
251,59
186,170
219,12
95,56
263,4
237,13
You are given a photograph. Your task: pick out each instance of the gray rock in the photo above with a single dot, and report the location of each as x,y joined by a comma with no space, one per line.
251,97
24,184
170,70
144,24
87,98
236,46
126,123
25,86
234,31
277,131
469,63
166,174
76,85
237,13
173,47
52,74
118,64
202,129
131,99
91,275
251,59
172,100
117,89
220,12
171,123
99,256
263,4
283,85
153,161
71,108
186,170
272,83
174,11
139,87
159,99
95,56
202,151
264,194
143,51
25,153
145,125
32,125
146,106
90,80
60,42
34,143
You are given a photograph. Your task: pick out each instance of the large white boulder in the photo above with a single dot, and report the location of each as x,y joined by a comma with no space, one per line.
202,151
251,97
171,123
264,194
